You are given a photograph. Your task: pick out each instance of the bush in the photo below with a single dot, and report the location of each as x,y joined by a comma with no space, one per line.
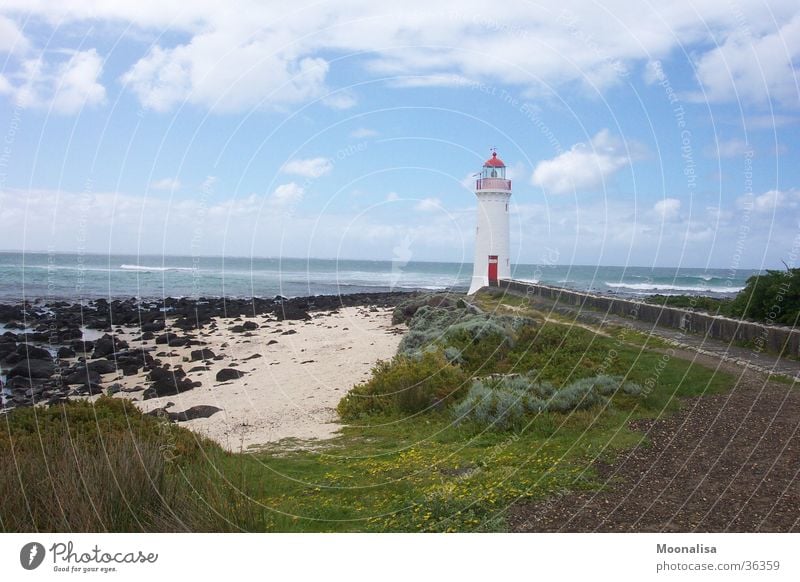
407,309
405,384
98,467
460,328
774,297
507,401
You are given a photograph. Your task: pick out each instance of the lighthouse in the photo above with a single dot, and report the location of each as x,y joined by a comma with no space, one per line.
492,261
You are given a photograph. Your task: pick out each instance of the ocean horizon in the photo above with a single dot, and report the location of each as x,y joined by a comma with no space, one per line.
62,276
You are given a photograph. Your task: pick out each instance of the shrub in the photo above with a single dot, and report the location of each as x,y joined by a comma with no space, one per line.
100,467
461,328
762,294
507,401
774,297
407,309
405,384
453,355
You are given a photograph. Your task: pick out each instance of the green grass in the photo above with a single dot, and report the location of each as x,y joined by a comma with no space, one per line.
391,470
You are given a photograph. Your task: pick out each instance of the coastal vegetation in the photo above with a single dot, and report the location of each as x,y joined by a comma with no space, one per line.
772,297
485,405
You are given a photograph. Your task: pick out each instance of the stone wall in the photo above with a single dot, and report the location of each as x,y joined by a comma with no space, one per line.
766,337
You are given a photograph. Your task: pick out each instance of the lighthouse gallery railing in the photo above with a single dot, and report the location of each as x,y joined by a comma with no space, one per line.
492,184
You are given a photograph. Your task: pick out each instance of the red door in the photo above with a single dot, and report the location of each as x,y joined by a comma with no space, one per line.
493,270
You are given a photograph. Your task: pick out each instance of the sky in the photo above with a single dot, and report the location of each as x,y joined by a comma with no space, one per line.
665,135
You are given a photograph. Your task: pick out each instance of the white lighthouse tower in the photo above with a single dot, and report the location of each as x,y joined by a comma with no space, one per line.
492,261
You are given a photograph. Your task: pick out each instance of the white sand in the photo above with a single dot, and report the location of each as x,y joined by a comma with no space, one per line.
280,396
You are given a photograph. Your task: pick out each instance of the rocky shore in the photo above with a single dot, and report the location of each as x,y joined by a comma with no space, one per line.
159,352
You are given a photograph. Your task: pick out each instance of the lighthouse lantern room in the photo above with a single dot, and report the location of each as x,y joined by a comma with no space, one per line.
492,261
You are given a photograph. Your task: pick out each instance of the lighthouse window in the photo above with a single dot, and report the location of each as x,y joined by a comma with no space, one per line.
506,206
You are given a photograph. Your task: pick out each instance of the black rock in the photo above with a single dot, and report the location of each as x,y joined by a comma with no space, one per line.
289,332
172,340
33,369
202,354
152,326
289,311
82,376
33,353
65,352
102,366
130,370
228,374
200,411
253,357
250,325
82,347
90,389
107,345
167,382
19,383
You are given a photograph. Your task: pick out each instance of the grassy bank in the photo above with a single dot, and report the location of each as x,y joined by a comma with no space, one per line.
548,398
772,297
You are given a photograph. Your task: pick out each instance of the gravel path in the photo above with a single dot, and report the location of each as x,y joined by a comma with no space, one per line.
725,463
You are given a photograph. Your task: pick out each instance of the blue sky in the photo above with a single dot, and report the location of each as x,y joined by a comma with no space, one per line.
662,136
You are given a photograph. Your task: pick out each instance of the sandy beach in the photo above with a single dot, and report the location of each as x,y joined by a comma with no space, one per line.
295,372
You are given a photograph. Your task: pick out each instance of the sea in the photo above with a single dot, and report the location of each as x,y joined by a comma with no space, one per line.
82,277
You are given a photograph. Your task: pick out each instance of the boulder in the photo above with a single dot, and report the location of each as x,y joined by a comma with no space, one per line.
202,354
65,352
102,366
199,411
167,382
33,353
228,374
107,345
82,376
152,326
33,369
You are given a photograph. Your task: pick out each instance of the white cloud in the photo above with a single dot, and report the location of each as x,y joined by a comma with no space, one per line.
582,231
166,184
771,201
66,85
363,133
308,168
12,40
5,86
428,205
668,209
752,67
583,167
238,55
220,71
287,195
340,100
392,197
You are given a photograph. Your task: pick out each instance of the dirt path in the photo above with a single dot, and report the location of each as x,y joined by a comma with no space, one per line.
727,462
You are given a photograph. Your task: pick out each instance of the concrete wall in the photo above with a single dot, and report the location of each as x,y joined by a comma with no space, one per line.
764,337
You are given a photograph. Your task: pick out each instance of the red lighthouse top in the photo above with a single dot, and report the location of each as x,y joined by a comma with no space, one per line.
493,175
494,162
